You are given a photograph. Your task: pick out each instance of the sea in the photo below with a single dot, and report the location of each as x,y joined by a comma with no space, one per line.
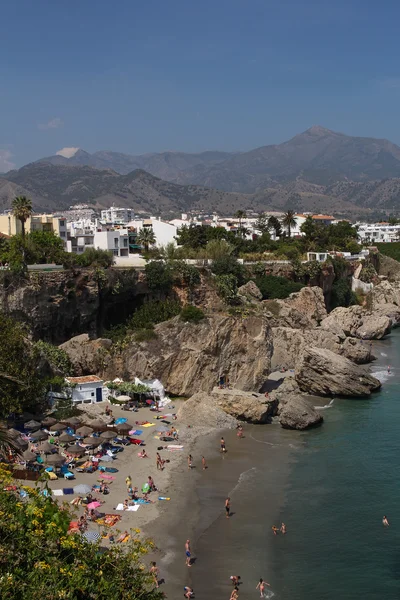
331,486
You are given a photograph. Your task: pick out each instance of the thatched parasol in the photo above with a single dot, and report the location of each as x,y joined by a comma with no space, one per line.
66,437
55,459
73,421
29,456
39,436
123,427
23,444
83,431
92,441
14,433
108,435
75,449
49,421
58,427
98,424
31,425
46,447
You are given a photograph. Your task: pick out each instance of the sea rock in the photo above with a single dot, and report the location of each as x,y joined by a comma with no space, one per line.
86,355
322,372
189,357
295,410
202,410
289,344
245,406
249,292
310,302
355,321
391,311
385,292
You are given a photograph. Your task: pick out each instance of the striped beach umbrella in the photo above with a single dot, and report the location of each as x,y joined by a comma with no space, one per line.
91,536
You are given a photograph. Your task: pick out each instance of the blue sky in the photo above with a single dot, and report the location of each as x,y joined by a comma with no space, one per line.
158,75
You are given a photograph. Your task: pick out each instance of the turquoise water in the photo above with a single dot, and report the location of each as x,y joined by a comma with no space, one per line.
331,486
342,483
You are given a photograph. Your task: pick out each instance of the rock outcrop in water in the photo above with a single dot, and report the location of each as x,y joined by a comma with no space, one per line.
355,321
295,410
324,373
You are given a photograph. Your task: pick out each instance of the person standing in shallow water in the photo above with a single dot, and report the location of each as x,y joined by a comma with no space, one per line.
203,463
261,586
188,554
223,445
385,522
228,507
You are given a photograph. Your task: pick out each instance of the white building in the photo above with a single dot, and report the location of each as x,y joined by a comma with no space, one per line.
80,235
115,240
117,216
164,232
378,232
88,389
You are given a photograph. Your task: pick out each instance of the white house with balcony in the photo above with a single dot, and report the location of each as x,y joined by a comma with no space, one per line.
117,216
114,240
164,232
88,389
378,232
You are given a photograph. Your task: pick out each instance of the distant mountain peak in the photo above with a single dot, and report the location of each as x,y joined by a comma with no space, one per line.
318,130
67,152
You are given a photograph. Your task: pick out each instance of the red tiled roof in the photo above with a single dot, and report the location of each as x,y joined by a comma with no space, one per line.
84,379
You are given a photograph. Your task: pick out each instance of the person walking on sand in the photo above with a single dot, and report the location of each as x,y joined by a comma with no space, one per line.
385,522
190,461
203,463
160,462
188,554
235,593
154,571
128,481
223,445
240,431
261,586
228,507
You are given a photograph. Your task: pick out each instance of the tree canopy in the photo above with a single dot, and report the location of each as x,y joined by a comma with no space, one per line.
22,210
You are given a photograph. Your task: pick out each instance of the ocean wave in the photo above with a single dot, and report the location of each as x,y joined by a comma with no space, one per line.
383,354
326,405
243,477
382,375
268,594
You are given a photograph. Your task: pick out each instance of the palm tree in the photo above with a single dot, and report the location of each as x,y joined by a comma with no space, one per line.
289,220
275,224
241,214
146,237
22,210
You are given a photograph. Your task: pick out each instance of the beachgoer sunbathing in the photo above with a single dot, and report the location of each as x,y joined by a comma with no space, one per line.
143,454
126,504
122,537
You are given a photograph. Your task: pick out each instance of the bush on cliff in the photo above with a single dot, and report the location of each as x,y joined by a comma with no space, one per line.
159,276
272,286
192,314
42,560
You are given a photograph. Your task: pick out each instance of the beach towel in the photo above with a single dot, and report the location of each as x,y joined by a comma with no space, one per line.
136,432
119,506
67,491
149,425
141,501
57,492
107,477
174,447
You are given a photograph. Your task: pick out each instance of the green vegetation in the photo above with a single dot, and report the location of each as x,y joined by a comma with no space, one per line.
227,287
22,210
128,388
40,560
144,335
272,286
192,314
289,220
146,237
91,257
159,276
368,272
392,250
56,357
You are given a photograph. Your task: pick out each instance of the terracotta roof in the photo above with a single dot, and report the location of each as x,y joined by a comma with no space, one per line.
84,379
325,217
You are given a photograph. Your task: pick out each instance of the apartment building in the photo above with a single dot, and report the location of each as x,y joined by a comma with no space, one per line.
378,232
9,225
117,216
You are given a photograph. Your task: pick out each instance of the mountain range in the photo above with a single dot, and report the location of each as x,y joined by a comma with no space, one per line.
318,170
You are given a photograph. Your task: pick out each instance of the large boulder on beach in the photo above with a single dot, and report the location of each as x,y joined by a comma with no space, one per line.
324,373
189,357
201,410
245,406
86,354
295,411
355,321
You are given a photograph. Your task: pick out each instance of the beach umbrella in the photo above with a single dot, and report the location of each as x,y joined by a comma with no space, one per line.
108,435
49,421
66,437
91,536
97,424
46,447
84,431
75,449
106,458
55,459
94,505
39,436
14,433
29,456
82,488
124,427
92,441
31,425
120,420
123,398
58,427
23,444
73,421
